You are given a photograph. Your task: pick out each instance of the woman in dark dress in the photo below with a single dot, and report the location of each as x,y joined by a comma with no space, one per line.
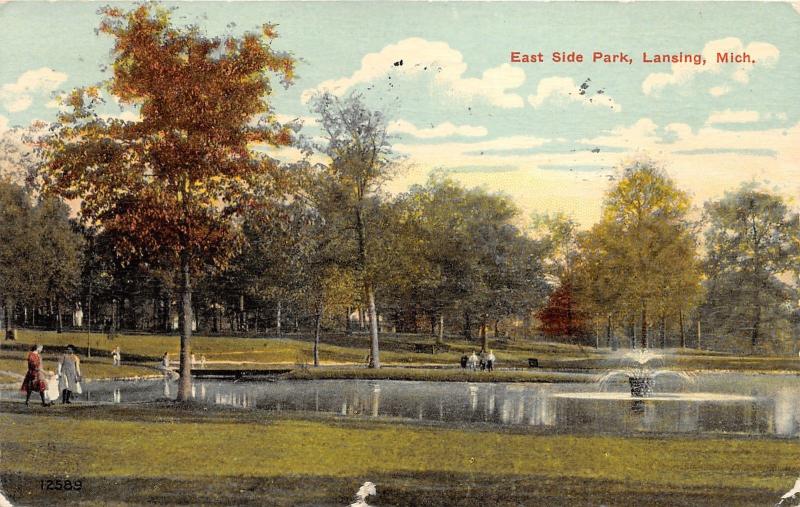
34,378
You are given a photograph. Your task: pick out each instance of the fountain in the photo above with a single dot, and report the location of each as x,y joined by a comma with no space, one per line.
640,372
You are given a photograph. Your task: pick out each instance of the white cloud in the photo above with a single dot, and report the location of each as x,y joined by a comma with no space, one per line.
3,123
465,153
641,135
443,65
564,89
18,96
729,116
445,129
764,54
492,86
680,130
718,91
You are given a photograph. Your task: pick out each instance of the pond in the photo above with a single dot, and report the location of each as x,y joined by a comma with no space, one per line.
766,405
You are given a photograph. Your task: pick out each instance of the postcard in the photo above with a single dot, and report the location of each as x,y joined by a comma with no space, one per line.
399,253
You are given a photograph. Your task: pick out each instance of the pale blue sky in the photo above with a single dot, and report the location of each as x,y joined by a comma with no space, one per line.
520,128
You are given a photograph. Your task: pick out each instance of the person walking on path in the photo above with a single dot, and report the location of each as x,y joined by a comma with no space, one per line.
165,367
116,356
69,374
472,361
34,379
490,359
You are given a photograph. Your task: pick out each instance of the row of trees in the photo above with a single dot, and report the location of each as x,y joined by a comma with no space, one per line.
638,272
40,257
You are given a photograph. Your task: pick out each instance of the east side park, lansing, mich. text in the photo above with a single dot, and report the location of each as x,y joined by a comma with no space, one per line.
621,57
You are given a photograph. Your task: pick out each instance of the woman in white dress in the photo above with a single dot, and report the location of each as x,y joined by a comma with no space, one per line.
69,374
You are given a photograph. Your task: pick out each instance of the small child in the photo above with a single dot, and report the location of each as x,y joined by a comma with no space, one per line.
51,394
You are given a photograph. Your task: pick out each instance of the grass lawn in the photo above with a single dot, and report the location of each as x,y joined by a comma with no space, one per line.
91,368
173,454
435,375
397,350
298,349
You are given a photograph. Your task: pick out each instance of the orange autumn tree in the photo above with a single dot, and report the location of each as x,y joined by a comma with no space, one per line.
169,187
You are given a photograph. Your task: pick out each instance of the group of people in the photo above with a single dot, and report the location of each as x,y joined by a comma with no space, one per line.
49,384
484,361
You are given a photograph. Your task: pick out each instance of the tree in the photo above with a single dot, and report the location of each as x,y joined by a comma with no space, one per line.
168,187
559,234
60,253
19,274
361,160
753,240
473,259
641,258
562,316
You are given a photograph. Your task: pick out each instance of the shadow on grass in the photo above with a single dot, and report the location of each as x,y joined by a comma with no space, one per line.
429,489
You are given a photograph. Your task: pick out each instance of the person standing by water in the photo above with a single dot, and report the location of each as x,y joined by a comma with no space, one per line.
490,359
34,378
472,361
69,374
165,367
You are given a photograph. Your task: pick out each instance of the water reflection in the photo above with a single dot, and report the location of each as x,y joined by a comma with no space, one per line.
763,405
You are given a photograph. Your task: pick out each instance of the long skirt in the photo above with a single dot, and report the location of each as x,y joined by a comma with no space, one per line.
34,382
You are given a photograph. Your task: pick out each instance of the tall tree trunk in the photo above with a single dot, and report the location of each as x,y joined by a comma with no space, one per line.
632,333
185,317
644,326
467,326
756,326
10,319
484,338
362,318
663,332
369,291
59,324
496,330
241,323
683,333
317,329
374,357
348,326
610,342
698,333
278,319
440,335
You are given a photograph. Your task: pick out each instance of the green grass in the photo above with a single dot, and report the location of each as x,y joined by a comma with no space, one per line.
397,350
168,448
297,349
430,374
91,368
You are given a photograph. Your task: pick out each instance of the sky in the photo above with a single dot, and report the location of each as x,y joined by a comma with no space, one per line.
551,135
